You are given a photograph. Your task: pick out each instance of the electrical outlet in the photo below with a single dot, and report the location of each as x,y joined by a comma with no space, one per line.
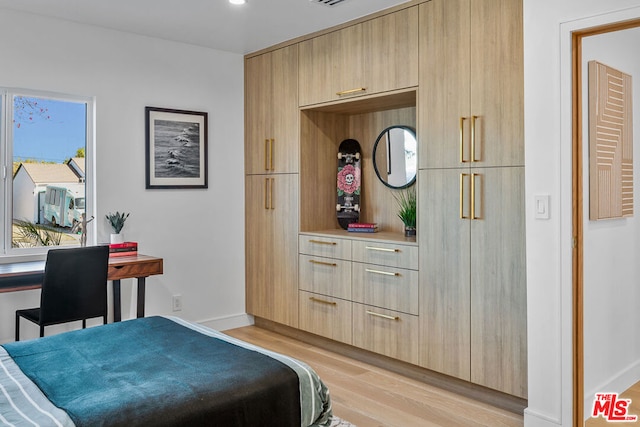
177,302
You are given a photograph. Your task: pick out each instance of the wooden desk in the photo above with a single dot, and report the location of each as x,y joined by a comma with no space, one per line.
20,276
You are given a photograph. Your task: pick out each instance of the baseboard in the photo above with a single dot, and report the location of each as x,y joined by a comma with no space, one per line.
228,322
463,388
535,419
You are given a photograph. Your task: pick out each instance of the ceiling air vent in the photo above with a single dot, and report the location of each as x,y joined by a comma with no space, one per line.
328,2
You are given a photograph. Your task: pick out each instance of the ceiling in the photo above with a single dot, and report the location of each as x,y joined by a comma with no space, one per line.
210,23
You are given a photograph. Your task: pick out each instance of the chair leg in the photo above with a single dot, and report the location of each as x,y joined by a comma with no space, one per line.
41,331
84,323
17,327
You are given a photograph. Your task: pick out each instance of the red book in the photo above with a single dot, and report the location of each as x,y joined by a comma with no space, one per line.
129,253
123,247
363,225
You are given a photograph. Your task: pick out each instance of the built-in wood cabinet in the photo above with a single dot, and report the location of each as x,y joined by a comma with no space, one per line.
374,56
498,281
271,112
361,291
271,185
454,299
471,83
271,235
471,222
473,301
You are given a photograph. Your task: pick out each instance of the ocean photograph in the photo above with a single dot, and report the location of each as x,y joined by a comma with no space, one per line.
177,149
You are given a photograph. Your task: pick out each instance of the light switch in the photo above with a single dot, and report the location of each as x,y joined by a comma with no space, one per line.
542,206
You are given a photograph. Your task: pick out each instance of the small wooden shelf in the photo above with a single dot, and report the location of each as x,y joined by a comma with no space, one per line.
391,100
382,236
322,128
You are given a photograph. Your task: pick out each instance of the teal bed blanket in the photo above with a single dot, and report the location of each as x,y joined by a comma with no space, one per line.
156,371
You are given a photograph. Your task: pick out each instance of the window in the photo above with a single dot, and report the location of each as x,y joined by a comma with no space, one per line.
46,147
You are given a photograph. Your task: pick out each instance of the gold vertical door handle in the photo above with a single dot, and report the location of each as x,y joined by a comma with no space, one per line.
266,193
474,195
472,208
266,154
271,141
462,160
473,138
271,194
462,177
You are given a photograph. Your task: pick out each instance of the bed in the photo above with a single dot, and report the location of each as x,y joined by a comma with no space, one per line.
155,371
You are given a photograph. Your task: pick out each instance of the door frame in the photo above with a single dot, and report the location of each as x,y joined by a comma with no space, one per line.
577,207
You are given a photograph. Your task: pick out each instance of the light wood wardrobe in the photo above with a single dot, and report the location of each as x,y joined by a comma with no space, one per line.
452,300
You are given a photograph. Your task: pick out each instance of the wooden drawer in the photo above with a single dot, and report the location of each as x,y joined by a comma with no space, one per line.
325,316
386,287
386,332
325,246
326,276
380,253
139,266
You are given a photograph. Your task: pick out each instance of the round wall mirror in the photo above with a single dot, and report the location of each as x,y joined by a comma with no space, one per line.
395,156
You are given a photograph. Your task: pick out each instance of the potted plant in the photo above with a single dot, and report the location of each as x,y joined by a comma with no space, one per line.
407,210
116,220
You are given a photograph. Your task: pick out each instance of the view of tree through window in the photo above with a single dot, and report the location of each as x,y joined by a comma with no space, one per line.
48,150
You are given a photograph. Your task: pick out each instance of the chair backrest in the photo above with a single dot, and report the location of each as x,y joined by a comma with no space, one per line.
74,285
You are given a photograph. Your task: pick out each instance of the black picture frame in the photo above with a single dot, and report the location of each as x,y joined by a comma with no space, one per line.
176,148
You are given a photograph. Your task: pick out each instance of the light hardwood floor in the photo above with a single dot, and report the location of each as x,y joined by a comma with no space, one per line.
369,396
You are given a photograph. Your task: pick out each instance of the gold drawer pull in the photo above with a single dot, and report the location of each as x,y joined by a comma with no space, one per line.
384,316
320,242
330,264
386,273
321,301
351,91
374,248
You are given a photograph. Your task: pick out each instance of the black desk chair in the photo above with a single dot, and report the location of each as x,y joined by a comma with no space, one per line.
74,288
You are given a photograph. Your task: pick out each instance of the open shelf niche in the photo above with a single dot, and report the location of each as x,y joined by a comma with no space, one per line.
322,129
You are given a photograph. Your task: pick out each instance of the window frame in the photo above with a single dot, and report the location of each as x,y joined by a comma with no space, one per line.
7,252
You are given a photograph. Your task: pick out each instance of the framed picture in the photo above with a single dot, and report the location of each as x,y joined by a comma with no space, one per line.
176,148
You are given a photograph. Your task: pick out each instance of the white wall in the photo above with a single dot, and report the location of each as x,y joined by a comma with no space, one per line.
548,25
199,233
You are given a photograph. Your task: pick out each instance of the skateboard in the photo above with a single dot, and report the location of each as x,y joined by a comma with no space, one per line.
348,183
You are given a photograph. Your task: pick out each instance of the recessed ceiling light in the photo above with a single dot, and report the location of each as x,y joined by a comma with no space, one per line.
237,1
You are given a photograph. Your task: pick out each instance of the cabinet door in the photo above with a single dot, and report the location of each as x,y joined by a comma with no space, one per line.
258,123
271,247
444,84
471,83
284,110
498,282
391,51
271,112
497,82
444,240
331,66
